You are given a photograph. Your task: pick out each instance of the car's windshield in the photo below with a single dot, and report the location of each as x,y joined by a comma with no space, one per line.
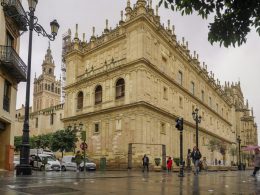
48,158
16,158
51,158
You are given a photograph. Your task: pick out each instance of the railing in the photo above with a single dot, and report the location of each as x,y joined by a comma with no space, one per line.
14,3
9,55
6,104
14,9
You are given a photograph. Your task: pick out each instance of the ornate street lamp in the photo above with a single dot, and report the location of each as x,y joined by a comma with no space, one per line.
197,119
239,155
31,21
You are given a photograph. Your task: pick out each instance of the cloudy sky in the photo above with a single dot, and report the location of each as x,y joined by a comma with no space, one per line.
232,64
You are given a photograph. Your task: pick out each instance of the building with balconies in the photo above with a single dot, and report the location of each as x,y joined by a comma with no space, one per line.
12,71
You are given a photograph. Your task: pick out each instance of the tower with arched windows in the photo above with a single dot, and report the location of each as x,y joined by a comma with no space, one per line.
46,89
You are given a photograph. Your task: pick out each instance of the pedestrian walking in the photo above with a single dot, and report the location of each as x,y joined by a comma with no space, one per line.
196,155
145,163
169,164
256,162
78,160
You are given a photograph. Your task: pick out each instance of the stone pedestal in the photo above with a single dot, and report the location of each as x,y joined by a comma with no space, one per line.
157,168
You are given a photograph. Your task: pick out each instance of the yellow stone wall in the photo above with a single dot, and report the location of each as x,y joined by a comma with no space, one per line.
7,118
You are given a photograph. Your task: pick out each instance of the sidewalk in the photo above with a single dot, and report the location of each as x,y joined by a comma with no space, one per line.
129,183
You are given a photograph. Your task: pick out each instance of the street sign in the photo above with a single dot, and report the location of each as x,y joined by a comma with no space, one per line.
83,146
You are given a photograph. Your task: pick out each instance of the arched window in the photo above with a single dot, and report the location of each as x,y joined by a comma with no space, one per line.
46,86
120,88
49,87
50,71
98,94
80,100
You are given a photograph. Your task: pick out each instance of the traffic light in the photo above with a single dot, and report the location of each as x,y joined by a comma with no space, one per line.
179,124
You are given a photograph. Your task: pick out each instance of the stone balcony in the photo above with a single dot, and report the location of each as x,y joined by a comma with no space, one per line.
12,63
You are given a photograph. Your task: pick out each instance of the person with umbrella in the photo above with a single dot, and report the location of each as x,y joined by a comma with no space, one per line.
256,162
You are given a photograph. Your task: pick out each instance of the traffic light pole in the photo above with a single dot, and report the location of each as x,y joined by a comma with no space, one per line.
181,174
179,126
84,156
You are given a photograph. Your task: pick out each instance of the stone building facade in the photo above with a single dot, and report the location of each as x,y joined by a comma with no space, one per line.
129,85
12,71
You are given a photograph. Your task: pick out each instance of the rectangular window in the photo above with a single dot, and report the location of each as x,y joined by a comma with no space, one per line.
210,101
51,118
9,40
217,107
96,128
202,95
165,93
180,78
36,123
192,88
180,102
163,128
7,95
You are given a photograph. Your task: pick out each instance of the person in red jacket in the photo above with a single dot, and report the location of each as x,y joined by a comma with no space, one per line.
169,164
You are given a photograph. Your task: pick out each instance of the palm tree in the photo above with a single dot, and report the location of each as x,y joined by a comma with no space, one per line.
222,150
212,146
233,152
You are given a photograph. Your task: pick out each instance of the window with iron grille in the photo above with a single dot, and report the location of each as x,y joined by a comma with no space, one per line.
120,88
98,94
51,118
7,95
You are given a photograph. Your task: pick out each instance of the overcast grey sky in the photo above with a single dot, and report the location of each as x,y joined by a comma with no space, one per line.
232,64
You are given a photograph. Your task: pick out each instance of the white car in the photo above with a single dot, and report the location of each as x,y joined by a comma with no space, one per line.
50,162
16,161
68,163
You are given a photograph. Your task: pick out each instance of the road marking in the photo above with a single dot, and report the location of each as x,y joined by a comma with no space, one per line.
11,186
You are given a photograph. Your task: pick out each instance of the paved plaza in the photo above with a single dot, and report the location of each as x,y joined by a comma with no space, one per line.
130,183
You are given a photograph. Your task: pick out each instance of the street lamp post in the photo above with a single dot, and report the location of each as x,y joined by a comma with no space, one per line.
197,119
30,21
239,156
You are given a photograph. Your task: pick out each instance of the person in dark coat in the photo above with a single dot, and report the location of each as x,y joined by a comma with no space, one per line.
78,160
145,163
196,155
256,162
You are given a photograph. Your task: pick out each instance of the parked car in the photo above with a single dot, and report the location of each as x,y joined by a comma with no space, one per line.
16,161
45,162
35,151
68,163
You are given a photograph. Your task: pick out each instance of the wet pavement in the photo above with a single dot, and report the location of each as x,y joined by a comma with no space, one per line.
130,183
